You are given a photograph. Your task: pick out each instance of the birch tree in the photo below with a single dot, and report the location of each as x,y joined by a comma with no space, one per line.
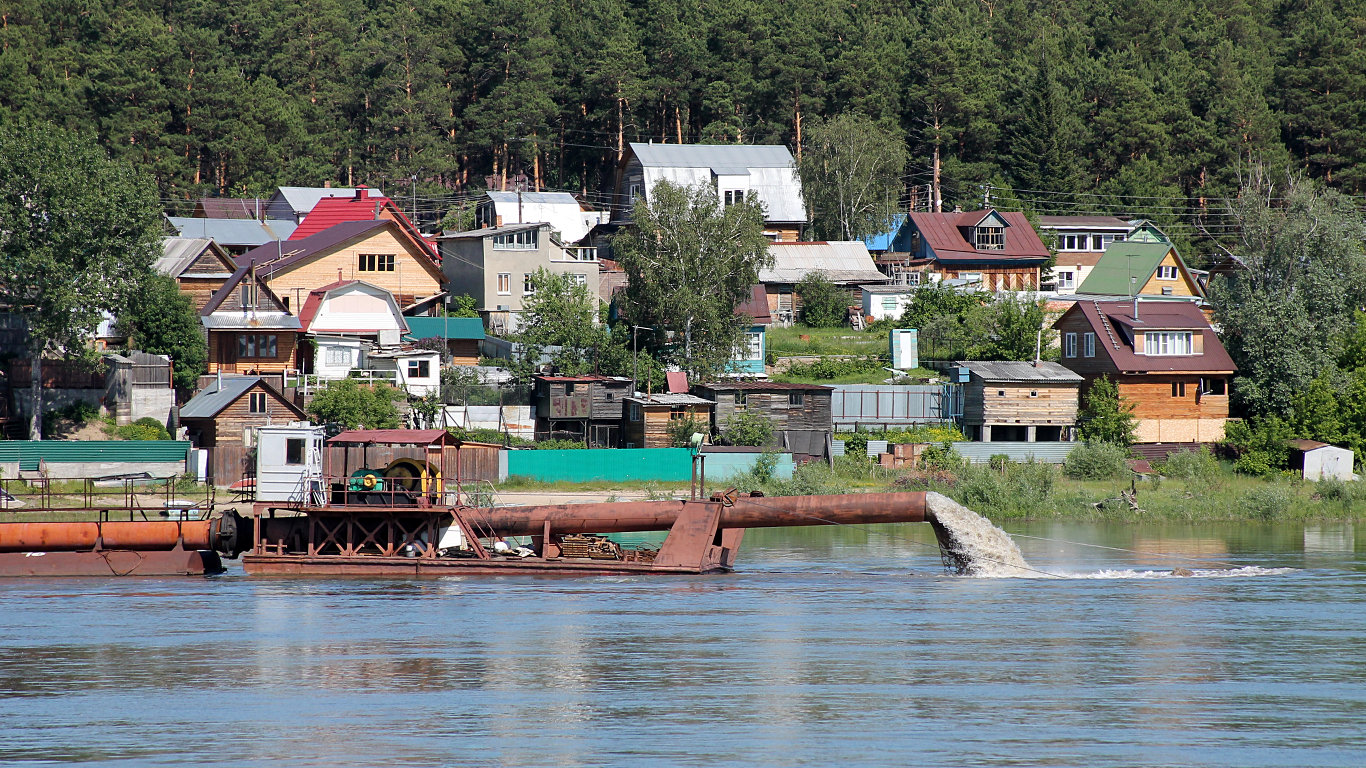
77,234
690,262
851,176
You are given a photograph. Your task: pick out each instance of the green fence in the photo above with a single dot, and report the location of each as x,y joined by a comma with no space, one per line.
29,452
610,464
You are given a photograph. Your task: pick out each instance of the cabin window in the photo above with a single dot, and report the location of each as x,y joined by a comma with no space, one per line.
1033,393
294,450
376,262
528,285
632,192
912,278
734,196
1000,393
256,346
889,303
1088,345
1166,290
1165,272
754,345
249,295
1069,345
991,238
796,398
1066,280
504,283
1097,243
635,413
569,389
578,279
419,369
256,402
678,413
1166,343
516,241
740,399
1213,387
1178,389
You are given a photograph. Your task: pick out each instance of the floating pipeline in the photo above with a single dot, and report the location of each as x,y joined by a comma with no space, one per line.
118,548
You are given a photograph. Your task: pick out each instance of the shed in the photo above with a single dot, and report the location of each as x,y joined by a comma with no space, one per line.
886,302
800,413
1321,461
462,335
383,448
224,416
647,418
1019,401
585,408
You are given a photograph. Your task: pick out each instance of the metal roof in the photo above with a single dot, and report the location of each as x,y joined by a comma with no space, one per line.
840,261
473,234
723,158
784,386
303,199
1115,320
1122,261
248,232
212,399
1013,370
669,399
394,437
942,233
1083,222
261,321
462,328
177,253
539,198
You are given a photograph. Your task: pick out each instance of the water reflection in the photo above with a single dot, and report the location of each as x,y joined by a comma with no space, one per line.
834,646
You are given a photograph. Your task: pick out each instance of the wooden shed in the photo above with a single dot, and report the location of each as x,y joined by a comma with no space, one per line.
585,408
800,413
1019,401
647,418
224,416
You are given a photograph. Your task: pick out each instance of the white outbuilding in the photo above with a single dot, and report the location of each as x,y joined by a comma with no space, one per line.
1321,461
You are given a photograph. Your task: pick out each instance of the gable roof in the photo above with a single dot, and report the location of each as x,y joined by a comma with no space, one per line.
278,257
231,232
178,253
756,306
1017,371
1124,260
1114,320
273,318
769,174
942,233
841,261
724,158
309,312
460,328
362,206
302,199
223,392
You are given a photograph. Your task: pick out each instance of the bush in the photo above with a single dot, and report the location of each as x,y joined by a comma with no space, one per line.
1097,461
559,445
1333,489
835,367
681,431
745,428
823,304
1268,502
488,435
145,428
998,462
856,444
941,458
351,405
1191,465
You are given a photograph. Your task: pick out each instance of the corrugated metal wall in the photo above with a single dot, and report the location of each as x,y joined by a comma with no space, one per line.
890,405
722,466
618,464
1050,453
28,452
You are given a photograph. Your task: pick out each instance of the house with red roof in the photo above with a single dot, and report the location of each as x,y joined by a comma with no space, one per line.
361,206
995,250
1164,358
380,252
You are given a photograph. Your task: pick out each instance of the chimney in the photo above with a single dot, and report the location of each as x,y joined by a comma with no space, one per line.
362,192
498,221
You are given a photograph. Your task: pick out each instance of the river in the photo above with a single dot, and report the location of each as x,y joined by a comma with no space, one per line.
834,647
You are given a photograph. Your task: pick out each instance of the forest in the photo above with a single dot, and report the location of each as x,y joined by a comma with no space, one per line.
1147,107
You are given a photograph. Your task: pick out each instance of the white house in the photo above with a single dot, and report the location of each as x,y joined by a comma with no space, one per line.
560,210
886,302
416,371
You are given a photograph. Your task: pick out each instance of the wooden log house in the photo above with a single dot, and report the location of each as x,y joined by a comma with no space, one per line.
800,413
584,408
647,419
1019,401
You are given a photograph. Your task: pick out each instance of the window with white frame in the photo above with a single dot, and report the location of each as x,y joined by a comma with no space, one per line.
525,240
635,411
257,346
1166,272
991,238
1167,343
888,303
1066,279
754,345
256,402
337,356
528,285
1069,345
504,283
912,278
578,279
1088,345
632,192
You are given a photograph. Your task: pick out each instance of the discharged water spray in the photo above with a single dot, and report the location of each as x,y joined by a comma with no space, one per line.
971,545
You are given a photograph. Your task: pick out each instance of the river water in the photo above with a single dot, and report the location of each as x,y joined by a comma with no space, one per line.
837,647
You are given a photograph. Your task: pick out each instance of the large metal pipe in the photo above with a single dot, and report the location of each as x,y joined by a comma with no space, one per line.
149,535
745,512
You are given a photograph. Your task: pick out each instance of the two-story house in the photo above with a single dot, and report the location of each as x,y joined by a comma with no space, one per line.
362,206
1144,269
998,249
249,329
380,252
495,265
737,173
1163,356
1079,242
566,216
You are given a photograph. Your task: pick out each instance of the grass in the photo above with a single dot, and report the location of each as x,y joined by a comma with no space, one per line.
880,376
786,342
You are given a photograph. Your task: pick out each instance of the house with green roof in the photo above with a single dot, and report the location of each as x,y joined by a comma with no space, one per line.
1141,268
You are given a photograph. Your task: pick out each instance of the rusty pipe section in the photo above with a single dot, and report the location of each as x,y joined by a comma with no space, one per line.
744,512
151,535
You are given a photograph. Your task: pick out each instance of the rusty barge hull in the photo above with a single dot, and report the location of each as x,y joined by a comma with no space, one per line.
116,548
112,562
374,565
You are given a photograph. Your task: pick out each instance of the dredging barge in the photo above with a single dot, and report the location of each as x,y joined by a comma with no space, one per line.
394,502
